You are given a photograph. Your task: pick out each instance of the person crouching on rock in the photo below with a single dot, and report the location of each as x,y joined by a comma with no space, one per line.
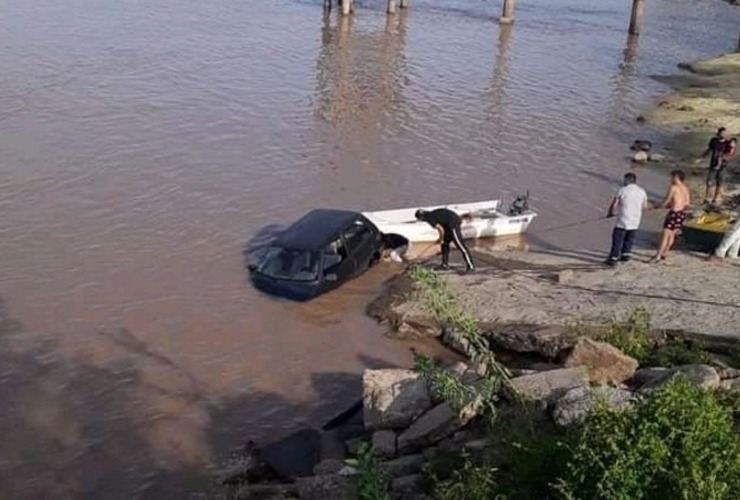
448,224
627,206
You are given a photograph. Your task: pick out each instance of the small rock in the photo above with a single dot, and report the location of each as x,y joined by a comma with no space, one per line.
325,487
728,373
577,403
686,108
393,398
268,491
458,368
347,470
566,276
641,145
430,428
244,465
384,444
402,466
640,119
546,386
476,445
640,157
328,466
732,384
656,157
647,375
405,487
701,375
419,327
604,362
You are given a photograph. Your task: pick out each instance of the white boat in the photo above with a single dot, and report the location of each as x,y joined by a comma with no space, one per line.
487,220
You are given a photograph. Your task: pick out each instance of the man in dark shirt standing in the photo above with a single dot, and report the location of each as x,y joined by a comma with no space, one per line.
448,224
715,149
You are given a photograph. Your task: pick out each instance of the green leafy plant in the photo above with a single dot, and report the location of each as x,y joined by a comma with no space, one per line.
631,335
680,444
446,387
370,480
467,481
444,307
676,351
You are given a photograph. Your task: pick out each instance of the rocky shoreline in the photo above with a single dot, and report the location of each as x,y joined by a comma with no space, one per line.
547,339
555,373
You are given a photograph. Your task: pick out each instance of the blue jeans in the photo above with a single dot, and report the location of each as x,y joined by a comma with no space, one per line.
622,241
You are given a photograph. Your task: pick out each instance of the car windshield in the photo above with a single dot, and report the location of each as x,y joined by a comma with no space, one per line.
286,264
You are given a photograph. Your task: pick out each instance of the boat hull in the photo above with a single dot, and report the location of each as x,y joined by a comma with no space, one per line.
705,232
487,221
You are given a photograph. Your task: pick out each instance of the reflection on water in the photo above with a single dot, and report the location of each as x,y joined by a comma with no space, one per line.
148,145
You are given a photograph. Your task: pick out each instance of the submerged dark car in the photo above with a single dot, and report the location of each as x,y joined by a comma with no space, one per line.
318,253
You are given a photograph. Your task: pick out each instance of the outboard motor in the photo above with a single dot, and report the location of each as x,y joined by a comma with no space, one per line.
519,205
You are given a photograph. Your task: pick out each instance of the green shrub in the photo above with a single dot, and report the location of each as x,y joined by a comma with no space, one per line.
631,335
371,482
444,307
680,444
530,453
466,481
676,352
446,387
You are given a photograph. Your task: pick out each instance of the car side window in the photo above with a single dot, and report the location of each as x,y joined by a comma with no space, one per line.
334,254
357,235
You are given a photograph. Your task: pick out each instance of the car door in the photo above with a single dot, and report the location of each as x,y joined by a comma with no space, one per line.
362,243
338,263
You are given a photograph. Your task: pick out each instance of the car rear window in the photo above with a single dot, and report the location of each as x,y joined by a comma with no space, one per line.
287,264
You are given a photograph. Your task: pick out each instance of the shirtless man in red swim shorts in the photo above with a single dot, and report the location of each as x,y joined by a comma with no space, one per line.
677,200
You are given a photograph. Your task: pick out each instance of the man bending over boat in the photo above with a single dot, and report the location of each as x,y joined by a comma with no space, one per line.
448,224
677,200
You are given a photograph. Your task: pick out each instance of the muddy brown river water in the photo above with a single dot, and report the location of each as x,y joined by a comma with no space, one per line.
145,146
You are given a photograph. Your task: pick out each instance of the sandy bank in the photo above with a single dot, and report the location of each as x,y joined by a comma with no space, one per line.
707,96
685,293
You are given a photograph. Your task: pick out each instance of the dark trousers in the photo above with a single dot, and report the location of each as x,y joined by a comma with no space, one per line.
452,235
622,241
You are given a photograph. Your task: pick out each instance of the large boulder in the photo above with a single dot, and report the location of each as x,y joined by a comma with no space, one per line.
405,487
407,319
546,386
700,375
384,444
731,384
401,466
393,398
577,403
645,376
327,486
267,491
433,426
545,341
728,373
604,362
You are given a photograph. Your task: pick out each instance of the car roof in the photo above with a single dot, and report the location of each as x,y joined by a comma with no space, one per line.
316,229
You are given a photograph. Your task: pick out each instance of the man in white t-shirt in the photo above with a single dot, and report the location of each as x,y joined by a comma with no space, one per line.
627,206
